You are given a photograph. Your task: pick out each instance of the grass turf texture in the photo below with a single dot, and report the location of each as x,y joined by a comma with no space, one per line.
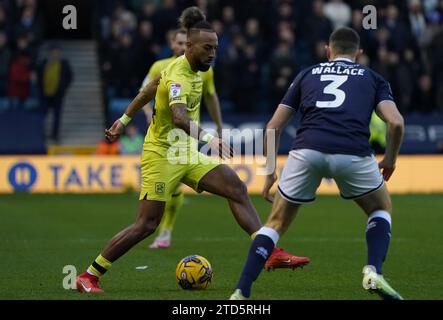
40,234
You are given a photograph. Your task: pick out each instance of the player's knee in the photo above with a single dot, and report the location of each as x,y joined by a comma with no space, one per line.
388,206
143,230
239,191
385,205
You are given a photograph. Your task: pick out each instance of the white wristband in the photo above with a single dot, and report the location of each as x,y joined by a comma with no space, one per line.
125,119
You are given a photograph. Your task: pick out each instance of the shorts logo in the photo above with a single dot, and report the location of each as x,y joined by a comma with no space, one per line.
159,187
175,90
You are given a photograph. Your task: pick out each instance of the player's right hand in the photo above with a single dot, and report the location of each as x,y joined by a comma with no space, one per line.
223,149
113,133
387,168
269,182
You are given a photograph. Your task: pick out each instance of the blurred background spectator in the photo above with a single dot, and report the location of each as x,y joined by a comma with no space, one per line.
264,44
20,75
54,77
107,148
132,141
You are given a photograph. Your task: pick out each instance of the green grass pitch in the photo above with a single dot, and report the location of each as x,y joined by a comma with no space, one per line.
40,234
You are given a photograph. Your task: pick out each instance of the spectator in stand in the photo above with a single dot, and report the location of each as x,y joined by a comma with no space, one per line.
423,99
399,34
110,48
248,79
408,70
317,27
23,44
20,74
146,49
435,56
105,147
123,62
338,12
31,24
4,21
252,37
126,18
440,8
147,11
417,19
165,19
5,57
54,77
231,26
286,14
282,71
132,142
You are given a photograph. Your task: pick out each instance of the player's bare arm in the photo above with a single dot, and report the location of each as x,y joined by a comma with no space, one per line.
388,112
147,109
279,121
144,97
182,121
213,105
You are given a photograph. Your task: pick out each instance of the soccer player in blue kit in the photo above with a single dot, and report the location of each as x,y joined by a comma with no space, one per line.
336,100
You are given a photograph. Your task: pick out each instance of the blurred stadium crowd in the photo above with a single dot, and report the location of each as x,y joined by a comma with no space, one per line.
263,44
21,34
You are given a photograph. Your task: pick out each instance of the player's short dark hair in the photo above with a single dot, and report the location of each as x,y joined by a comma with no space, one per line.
193,18
178,31
344,41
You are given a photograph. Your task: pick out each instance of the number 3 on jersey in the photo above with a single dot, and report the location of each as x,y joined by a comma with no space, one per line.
333,89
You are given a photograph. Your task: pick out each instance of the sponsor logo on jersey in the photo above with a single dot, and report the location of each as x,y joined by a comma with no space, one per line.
159,187
175,90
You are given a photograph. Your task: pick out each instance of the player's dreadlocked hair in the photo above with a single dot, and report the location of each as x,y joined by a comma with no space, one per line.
193,18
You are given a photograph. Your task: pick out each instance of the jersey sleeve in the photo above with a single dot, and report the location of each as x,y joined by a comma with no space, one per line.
179,90
208,83
383,92
292,96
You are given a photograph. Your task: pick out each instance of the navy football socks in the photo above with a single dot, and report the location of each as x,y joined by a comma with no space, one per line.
260,250
378,235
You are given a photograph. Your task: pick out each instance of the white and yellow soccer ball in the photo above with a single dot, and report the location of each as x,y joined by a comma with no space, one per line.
193,273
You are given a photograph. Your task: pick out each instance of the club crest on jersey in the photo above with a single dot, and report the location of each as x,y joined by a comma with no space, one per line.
175,90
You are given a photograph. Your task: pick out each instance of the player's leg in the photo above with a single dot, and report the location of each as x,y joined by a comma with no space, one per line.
172,209
378,207
223,181
148,218
282,214
359,178
300,179
159,179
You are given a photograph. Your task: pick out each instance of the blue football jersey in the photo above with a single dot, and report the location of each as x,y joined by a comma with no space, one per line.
336,100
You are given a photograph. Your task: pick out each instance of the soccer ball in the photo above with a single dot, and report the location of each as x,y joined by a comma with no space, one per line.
193,272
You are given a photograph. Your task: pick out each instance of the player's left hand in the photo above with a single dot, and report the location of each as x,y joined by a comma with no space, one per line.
387,169
269,182
115,131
